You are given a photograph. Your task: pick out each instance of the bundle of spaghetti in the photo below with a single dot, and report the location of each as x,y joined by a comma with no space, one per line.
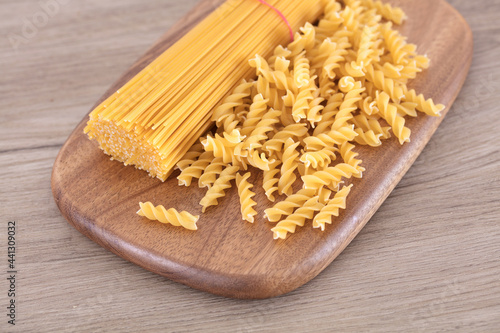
153,120
340,83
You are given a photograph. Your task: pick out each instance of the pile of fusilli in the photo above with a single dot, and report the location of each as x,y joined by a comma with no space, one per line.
338,83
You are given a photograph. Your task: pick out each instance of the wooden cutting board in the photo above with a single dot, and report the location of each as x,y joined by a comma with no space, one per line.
228,256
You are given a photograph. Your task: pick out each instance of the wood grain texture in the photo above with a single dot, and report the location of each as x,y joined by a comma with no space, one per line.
410,269
227,256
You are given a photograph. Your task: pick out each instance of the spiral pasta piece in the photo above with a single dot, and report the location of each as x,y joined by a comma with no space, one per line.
240,113
409,71
304,170
330,176
196,169
369,106
270,181
326,88
211,172
389,86
324,195
332,208
395,43
301,70
272,95
294,131
290,157
217,190
224,115
388,12
286,116
265,125
314,115
259,160
297,219
332,8
282,64
390,70
328,114
369,130
289,98
246,201
371,90
330,139
304,40
390,113
190,157
353,90
423,105
370,18
368,138
233,138
257,110
275,77
407,109
350,14
318,159
168,216
319,54
366,53
351,68
422,61
301,104
349,157
336,58
223,146
287,206
331,22
280,52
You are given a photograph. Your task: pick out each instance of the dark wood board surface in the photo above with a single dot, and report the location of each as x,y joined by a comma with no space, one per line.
228,256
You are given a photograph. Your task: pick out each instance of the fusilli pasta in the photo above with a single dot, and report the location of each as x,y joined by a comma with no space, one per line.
332,208
171,216
247,204
298,218
340,83
217,190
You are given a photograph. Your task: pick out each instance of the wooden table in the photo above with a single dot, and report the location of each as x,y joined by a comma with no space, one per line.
428,260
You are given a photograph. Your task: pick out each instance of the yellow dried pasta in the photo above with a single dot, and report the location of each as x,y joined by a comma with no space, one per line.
246,202
331,209
170,216
217,190
340,83
298,218
290,163
153,119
